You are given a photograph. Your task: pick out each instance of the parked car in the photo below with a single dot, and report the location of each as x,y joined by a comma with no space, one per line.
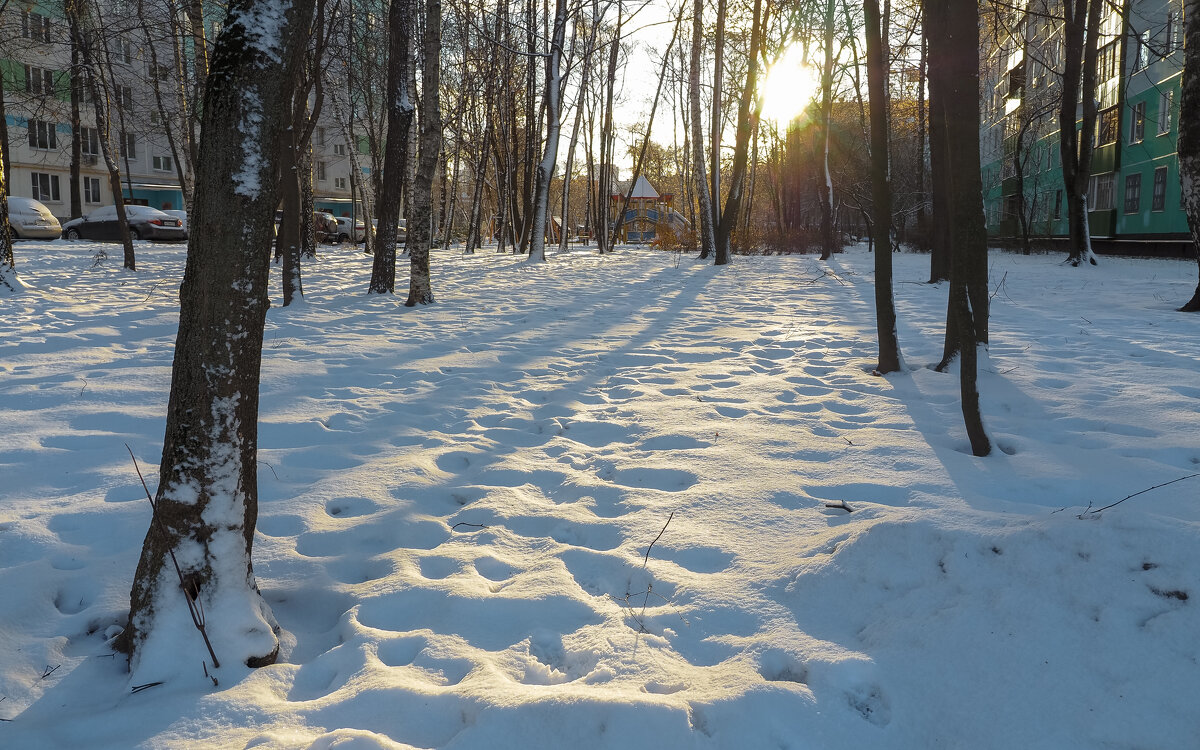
325,226
182,216
29,219
144,223
345,234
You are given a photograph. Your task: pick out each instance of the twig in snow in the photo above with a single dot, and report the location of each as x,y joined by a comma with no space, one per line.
147,686
84,388
49,671
840,505
646,559
464,523
999,287
269,466
191,589
1098,511
1086,320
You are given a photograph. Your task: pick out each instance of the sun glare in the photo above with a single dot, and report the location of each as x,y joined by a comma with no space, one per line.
789,86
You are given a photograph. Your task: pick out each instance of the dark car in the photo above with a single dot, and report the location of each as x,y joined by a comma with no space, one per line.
144,223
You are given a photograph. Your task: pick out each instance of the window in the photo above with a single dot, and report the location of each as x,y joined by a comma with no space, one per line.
1159,200
1141,51
320,171
1100,192
319,136
45,187
125,98
35,26
89,142
91,189
124,51
161,72
339,149
39,80
1107,132
129,147
163,163
1171,33
43,135
1106,63
155,118
1165,101
341,183
1058,204
1137,123
1133,193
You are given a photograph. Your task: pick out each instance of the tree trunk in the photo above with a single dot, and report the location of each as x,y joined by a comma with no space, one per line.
1081,34
707,236
8,264
881,193
747,121
80,17
545,168
828,245
954,61
940,258
395,155
76,150
717,123
1189,134
420,229
207,500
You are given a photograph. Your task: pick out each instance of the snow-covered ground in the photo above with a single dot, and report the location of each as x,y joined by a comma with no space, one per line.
458,506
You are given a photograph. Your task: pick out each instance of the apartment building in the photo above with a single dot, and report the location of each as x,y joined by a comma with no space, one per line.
144,66
1134,191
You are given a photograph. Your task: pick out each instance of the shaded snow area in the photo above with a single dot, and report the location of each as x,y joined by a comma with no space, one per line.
458,505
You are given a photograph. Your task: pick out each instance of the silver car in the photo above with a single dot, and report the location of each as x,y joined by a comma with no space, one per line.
30,220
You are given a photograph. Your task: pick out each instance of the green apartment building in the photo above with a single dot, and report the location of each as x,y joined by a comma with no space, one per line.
1134,193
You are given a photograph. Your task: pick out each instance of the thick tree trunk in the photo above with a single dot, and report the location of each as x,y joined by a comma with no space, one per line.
940,257
395,154
420,229
1189,134
954,61
8,264
207,500
717,120
881,193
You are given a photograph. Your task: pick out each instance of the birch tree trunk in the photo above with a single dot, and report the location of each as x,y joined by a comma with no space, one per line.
1081,40
545,168
9,283
207,499
747,121
826,190
420,229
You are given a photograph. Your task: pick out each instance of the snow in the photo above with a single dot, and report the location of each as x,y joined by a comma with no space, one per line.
461,508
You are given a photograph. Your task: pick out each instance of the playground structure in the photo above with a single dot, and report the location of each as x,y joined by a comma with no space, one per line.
648,213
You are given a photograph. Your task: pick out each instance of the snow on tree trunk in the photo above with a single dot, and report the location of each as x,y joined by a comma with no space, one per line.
707,238
1189,135
207,497
1081,34
420,231
9,283
545,168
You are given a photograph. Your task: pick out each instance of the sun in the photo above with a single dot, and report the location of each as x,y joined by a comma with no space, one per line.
789,86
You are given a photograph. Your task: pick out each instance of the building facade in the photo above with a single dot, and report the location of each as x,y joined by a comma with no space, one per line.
147,70
1134,196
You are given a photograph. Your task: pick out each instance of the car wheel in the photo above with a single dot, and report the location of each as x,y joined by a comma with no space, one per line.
343,238
134,234
72,234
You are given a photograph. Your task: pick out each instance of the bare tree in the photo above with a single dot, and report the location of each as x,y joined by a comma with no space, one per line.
954,101
207,499
707,236
420,228
1189,134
